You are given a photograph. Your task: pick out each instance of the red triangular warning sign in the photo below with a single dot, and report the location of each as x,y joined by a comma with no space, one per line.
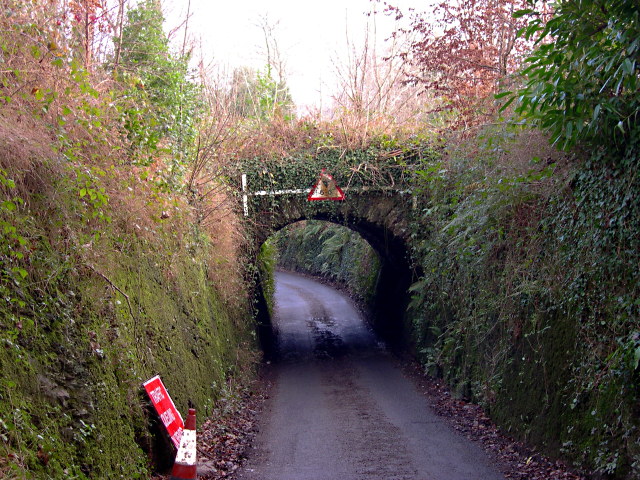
325,188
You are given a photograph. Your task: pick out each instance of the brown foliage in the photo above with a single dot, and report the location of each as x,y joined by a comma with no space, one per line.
463,50
372,97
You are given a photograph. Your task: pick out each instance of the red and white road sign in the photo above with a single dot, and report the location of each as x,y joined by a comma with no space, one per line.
168,412
325,188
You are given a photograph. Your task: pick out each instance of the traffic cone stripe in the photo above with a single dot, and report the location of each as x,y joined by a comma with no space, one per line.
187,452
184,472
185,467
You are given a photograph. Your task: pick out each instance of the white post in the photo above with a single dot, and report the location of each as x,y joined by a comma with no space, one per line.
245,198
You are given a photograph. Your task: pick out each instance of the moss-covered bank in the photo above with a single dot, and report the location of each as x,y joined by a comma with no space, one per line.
90,309
528,301
333,252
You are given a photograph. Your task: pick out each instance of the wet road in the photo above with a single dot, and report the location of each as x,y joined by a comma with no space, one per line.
340,407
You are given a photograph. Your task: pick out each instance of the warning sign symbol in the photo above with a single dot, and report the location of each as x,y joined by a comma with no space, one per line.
325,188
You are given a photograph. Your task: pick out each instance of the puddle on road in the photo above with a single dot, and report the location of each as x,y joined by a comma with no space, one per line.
327,321
326,343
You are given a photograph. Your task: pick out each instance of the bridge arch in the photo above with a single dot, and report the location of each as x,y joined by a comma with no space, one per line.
378,204
382,219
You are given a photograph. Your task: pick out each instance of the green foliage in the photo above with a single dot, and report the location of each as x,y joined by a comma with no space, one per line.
13,251
94,195
89,306
528,299
372,167
330,251
599,250
582,81
273,97
257,95
161,102
267,261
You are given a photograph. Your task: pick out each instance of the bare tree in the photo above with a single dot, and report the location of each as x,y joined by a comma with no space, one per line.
274,58
372,93
117,27
217,140
273,90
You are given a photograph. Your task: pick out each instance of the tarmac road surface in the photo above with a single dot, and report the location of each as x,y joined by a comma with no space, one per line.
341,409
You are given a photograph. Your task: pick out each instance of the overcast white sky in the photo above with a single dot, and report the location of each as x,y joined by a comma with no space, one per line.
310,34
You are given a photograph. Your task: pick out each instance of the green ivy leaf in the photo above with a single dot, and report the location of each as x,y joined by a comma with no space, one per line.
522,13
501,95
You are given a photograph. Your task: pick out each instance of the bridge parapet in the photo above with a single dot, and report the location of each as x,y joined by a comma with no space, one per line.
379,204
377,187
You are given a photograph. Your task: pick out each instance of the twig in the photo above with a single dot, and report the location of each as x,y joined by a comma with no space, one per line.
114,286
205,453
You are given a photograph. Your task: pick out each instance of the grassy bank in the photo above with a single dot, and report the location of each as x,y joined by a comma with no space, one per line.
92,308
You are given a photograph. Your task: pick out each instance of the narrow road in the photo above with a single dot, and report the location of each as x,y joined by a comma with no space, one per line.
341,409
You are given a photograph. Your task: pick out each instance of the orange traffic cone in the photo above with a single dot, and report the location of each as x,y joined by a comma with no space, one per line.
185,467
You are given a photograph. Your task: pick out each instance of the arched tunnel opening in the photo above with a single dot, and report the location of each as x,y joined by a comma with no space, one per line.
385,309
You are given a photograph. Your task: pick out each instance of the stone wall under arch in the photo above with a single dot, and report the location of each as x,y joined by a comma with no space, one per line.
382,218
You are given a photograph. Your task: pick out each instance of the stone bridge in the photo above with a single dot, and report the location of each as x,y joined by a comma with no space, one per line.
378,204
